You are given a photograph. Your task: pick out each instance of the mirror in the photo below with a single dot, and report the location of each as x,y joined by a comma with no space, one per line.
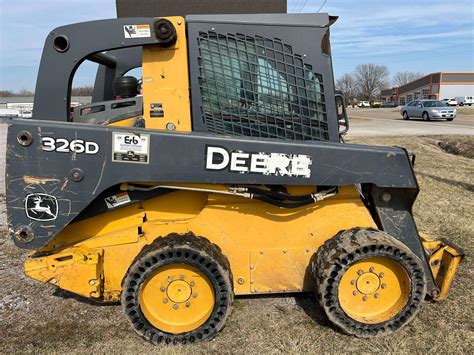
340,107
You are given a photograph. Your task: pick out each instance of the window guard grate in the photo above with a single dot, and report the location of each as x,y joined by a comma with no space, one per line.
258,87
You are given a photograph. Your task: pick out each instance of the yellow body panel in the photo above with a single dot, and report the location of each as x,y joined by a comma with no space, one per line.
269,248
166,83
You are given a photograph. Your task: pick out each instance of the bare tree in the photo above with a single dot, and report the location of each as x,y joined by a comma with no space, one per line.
402,78
6,93
348,85
10,93
370,79
25,93
82,91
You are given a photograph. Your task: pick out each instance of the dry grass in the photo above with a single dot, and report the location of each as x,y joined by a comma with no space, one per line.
465,110
37,318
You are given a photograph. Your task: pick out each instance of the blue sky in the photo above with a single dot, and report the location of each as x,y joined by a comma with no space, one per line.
422,36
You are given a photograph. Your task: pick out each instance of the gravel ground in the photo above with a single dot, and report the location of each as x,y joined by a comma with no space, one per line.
38,318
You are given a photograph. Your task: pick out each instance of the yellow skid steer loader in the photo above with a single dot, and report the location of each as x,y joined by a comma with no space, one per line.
222,174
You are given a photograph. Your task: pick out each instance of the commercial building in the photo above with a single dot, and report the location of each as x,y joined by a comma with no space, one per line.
436,86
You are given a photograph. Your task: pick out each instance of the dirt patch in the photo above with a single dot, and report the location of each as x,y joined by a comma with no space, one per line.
463,147
35,317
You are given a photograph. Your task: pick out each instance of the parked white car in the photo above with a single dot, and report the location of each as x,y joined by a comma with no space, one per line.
450,102
465,100
362,104
9,112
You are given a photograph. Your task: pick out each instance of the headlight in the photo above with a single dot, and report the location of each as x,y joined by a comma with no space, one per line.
434,111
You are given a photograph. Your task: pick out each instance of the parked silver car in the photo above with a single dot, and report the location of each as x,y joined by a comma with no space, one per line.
427,109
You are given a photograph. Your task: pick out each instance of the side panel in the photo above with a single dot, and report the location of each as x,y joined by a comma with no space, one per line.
74,178
275,245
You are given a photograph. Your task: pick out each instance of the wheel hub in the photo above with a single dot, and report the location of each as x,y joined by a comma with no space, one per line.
177,298
374,290
368,283
179,291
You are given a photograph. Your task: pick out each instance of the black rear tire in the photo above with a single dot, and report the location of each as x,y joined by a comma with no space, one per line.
426,116
175,249
405,116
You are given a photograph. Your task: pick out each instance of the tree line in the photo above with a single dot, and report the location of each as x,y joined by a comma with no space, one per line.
78,91
368,80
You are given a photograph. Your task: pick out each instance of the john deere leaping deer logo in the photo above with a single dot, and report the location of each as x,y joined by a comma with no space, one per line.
41,207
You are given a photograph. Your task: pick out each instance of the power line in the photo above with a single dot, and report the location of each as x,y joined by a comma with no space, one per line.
297,5
302,6
324,3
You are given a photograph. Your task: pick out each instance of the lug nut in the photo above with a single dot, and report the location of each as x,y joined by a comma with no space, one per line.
170,278
360,272
383,286
364,298
165,300
188,304
353,282
181,277
162,289
371,269
381,275
195,295
354,293
192,283
175,306
376,295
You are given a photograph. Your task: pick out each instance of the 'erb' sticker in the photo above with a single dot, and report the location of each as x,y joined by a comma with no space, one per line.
131,148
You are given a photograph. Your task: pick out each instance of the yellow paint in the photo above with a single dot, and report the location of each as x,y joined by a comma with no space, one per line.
166,82
374,290
78,270
242,229
177,298
444,261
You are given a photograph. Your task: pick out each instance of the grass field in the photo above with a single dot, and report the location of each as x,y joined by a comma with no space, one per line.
36,318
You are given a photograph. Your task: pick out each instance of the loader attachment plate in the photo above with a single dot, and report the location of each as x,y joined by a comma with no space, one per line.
444,259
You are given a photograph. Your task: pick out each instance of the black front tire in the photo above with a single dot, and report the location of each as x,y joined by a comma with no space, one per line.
426,116
405,116
341,252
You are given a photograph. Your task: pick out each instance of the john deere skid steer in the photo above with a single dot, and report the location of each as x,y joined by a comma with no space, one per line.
222,174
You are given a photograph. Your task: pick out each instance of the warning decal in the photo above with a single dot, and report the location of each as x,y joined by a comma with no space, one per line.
130,148
136,31
117,200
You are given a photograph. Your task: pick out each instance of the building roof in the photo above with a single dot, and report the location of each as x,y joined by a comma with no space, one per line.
432,78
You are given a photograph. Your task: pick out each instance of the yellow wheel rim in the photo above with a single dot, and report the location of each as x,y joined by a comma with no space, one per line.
177,298
374,290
